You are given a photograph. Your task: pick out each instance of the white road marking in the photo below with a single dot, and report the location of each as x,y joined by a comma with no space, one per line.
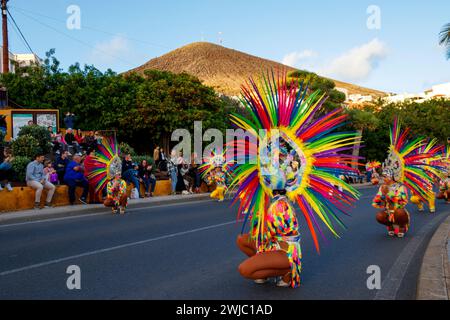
87,215
391,284
90,253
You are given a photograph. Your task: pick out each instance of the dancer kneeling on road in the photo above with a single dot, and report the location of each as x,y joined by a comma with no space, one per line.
117,197
392,197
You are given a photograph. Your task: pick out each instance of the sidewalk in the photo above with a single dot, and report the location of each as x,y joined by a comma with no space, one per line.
434,278
77,210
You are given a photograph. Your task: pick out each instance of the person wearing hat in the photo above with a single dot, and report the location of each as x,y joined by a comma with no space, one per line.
117,197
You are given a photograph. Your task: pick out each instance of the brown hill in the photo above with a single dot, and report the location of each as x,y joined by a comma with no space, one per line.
225,69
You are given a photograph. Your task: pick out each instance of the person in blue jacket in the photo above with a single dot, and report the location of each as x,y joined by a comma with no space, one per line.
74,177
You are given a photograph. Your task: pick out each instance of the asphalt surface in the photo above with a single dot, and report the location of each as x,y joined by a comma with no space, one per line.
188,251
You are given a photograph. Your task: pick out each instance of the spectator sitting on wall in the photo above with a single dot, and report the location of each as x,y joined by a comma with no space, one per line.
61,164
69,120
36,180
69,137
75,177
147,177
90,141
130,173
6,171
80,138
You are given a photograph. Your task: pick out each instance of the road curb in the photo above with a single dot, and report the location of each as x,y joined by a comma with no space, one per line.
84,210
434,277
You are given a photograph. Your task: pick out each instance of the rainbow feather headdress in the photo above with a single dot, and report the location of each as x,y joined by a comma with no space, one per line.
214,160
409,161
104,164
283,110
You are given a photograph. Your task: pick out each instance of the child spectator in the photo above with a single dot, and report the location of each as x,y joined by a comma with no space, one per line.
50,172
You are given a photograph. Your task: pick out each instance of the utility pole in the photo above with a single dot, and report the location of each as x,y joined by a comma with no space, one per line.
5,61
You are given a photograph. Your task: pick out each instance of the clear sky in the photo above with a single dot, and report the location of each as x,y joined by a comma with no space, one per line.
392,47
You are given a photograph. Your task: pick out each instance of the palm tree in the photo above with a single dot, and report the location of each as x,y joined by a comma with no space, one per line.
444,38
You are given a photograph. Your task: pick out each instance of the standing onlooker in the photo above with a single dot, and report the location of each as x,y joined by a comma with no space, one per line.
195,174
6,171
182,170
75,177
156,155
36,180
61,164
130,173
146,175
162,165
173,171
69,120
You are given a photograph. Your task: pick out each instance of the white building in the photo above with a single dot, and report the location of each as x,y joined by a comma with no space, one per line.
23,59
27,59
437,91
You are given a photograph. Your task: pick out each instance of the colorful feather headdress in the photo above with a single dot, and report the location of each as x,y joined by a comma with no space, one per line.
409,160
104,164
281,108
214,160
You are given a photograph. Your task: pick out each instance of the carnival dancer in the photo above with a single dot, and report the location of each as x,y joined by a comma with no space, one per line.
285,122
218,177
433,168
214,170
404,169
117,197
371,168
392,197
104,171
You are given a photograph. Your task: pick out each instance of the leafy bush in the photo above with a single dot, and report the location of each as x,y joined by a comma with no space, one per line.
125,149
41,134
19,165
26,146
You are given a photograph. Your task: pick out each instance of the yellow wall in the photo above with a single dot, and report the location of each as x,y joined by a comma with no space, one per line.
22,198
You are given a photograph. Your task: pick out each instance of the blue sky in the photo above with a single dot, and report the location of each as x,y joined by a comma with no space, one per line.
331,38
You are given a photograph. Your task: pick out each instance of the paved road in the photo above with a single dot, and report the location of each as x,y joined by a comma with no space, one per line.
187,251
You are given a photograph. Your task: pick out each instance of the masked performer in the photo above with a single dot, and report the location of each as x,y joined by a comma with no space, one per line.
104,171
214,172
433,169
283,120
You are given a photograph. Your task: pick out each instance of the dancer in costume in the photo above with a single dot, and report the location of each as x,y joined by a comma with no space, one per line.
117,197
265,188
432,168
444,181
105,167
214,171
404,169
392,197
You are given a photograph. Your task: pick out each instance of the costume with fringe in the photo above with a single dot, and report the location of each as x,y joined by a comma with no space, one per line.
309,138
